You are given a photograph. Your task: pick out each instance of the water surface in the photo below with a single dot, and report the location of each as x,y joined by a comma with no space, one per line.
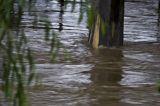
123,76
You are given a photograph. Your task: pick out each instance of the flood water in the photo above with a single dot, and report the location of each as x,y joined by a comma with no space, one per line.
123,76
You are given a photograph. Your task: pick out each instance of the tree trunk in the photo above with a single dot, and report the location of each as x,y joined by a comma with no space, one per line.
108,27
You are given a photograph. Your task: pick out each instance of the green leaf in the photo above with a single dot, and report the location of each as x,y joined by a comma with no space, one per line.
103,26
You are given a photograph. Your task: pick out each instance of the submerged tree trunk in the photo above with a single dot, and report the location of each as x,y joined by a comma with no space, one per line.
107,29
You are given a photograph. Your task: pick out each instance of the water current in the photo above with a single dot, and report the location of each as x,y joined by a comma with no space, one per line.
82,76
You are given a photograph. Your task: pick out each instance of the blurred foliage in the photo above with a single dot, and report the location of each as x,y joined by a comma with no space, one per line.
103,26
17,63
91,16
158,85
92,12
16,60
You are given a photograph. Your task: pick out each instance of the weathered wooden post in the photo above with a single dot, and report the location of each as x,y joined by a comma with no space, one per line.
107,29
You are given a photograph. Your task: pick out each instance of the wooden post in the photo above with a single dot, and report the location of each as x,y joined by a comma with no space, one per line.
111,17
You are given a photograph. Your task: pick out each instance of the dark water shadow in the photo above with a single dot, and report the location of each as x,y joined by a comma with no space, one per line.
158,22
105,76
61,2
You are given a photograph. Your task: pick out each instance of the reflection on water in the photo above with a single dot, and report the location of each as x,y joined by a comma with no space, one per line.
61,15
105,77
108,67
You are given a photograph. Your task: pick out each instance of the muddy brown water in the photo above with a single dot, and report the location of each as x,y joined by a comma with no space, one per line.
123,76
